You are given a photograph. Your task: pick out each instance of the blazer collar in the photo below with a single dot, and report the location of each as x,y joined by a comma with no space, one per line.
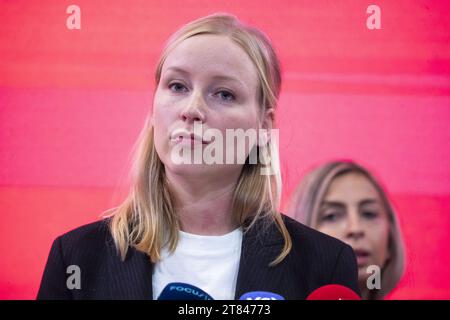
261,244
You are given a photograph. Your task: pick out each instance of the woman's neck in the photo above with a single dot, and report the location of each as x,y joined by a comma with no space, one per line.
204,206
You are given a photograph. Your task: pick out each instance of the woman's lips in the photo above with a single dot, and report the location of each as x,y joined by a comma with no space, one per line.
188,140
362,257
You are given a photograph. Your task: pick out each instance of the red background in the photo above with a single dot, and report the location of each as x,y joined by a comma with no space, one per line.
73,101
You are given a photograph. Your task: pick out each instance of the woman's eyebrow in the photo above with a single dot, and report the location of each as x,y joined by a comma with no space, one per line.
216,77
228,78
333,204
177,69
368,201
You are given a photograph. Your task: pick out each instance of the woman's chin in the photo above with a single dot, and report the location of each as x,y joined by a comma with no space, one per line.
212,171
192,169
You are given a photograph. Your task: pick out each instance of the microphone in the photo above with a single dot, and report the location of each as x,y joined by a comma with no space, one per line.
261,295
183,291
333,292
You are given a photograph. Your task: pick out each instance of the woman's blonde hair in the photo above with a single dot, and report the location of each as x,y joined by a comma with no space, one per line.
305,205
147,218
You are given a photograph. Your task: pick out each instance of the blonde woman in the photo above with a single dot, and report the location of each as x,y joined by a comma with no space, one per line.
344,200
210,225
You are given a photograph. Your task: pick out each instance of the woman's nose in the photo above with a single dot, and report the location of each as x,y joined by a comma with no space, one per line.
194,110
354,228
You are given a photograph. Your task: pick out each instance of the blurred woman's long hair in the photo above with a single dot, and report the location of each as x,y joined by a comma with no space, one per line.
305,206
147,220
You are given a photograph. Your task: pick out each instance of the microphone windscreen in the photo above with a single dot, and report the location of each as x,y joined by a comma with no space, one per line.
261,295
183,291
333,292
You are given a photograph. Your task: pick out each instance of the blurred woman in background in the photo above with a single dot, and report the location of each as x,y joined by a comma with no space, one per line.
344,200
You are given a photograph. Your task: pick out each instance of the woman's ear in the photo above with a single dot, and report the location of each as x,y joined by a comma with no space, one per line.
267,126
268,119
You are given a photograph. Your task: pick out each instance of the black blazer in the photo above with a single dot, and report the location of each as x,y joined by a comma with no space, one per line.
315,260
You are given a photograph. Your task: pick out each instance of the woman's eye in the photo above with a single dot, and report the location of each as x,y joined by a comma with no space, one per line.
370,214
226,95
177,87
330,217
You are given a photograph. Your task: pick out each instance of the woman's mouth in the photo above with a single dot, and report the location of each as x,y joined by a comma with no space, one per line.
189,139
362,257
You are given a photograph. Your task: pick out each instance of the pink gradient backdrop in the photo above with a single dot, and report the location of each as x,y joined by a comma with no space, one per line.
73,101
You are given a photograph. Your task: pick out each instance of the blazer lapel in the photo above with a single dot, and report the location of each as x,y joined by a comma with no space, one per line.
260,246
129,279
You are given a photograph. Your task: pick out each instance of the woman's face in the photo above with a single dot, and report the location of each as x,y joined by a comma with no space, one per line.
206,79
352,211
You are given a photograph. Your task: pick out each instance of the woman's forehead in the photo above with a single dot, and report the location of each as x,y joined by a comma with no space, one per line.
212,55
351,186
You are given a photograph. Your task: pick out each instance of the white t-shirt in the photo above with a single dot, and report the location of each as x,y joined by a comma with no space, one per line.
210,263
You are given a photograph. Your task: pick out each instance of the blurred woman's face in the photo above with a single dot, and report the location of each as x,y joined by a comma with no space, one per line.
352,211
206,79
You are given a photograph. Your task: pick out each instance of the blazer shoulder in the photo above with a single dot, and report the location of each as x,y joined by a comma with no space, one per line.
91,249
90,235
302,234
322,258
